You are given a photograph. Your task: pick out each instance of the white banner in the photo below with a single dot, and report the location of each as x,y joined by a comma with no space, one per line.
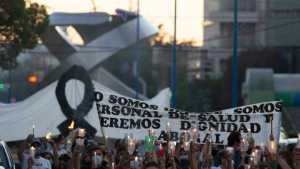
120,116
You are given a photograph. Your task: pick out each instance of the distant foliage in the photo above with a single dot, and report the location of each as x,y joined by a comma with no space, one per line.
20,28
163,38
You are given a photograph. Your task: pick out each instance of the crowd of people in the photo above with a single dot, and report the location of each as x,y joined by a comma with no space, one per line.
78,151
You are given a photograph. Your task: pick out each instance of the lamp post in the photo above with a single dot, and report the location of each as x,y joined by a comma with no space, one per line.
137,51
173,66
234,64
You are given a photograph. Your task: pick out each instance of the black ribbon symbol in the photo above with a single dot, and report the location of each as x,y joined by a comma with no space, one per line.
75,115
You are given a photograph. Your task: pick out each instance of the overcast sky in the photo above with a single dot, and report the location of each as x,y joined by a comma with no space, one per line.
190,12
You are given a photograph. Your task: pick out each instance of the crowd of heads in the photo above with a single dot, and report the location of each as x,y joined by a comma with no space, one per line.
77,151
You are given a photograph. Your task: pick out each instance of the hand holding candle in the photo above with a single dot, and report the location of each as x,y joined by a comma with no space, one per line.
81,132
244,145
151,132
32,151
131,145
273,147
49,136
256,156
168,127
113,165
33,127
136,158
194,134
95,159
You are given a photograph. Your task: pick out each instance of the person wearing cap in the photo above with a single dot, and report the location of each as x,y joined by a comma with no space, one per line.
36,161
234,141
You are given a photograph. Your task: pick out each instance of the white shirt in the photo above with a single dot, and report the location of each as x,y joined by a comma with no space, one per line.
41,163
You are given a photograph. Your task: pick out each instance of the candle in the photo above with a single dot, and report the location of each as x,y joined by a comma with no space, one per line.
255,156
273,147
245,145
81,132
135,161
186,146
151,132
230,150
131,146
33,127
32,151
48,136
95,159
194,134
69,145
71,126
168,127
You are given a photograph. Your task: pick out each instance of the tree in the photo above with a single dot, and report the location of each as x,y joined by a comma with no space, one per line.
20,28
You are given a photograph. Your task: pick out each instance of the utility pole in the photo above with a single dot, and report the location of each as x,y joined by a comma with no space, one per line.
173,65
137,52
234,64
94,6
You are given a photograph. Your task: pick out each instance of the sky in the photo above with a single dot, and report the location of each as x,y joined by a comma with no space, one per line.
190,13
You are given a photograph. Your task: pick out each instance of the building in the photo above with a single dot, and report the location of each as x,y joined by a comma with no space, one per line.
197,63
282,23
264,85
218,25
262,24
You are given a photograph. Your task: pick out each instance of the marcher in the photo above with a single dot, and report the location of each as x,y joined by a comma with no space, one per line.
87,152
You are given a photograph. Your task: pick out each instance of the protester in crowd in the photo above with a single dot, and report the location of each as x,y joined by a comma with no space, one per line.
38,162
24,151
24,146
91,153
59,146
296,157
35,160
49,156
234,148
64,162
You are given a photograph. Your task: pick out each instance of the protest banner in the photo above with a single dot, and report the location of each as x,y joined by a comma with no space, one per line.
121,115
